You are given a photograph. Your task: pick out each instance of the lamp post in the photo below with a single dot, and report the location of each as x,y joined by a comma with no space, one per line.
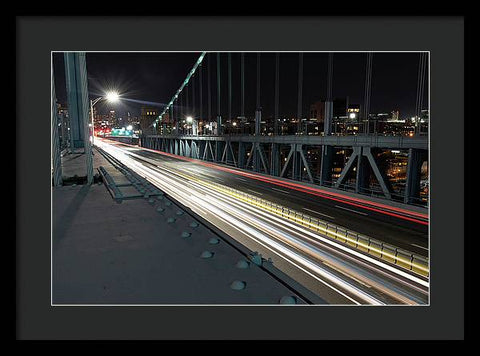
112,97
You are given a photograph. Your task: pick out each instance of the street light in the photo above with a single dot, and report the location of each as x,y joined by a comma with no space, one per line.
111,96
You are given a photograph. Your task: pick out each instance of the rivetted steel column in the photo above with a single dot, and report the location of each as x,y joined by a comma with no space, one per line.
326,164
363,173
71,78
57,160
241,154
275,159
414,166
78,104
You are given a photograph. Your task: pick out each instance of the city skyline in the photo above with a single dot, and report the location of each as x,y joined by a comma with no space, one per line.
393,87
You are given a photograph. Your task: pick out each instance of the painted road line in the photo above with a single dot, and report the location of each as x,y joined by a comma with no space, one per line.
353,211
425,248
280,190
316,212
254,192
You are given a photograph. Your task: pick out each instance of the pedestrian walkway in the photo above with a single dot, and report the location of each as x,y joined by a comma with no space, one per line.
149,251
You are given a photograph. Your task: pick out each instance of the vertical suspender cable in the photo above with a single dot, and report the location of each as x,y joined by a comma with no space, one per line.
300,90
229,86
242,84
194,113
219,117
201,92
277,83
420,89
258,82
209,90
368,85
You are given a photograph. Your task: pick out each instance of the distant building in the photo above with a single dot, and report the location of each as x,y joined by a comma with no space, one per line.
395,115
112,119
353,112
317,109
147,116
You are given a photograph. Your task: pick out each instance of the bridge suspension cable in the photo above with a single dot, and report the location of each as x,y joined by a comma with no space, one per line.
185,82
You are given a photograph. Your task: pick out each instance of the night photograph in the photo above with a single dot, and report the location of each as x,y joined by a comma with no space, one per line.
238,178
248,167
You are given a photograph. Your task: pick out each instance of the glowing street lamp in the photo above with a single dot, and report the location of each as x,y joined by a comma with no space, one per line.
189,119
111,96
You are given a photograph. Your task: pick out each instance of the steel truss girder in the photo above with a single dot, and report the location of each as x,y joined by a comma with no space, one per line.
228,152
357,155
392,142
297,152
257,149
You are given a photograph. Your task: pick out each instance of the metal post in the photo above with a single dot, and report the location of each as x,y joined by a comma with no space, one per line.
193,96
368,86
57,160
87,143
77,90
277,93
201,92
414,166
242,84
76,128
187,107
300,95
327,127
326,164
93,127
209,91
420,90
229,86
275,159
219,115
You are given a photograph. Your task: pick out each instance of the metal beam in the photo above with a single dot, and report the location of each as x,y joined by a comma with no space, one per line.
348,166
57,159
307,166
380,178
392,142
285,166
78,105
414,166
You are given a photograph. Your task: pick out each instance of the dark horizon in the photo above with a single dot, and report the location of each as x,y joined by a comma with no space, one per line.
154,77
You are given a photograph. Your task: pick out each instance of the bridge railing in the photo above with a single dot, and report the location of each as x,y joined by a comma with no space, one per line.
365,244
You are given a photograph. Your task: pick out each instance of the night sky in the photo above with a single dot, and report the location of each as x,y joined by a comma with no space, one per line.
154,77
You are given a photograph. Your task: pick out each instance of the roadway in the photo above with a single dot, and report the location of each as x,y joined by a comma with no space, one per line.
352,277
409,234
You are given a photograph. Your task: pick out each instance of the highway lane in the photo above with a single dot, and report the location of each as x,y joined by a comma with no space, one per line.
402,233
352,277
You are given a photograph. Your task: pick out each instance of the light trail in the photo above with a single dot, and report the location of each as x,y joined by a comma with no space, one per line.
334,265
401,213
